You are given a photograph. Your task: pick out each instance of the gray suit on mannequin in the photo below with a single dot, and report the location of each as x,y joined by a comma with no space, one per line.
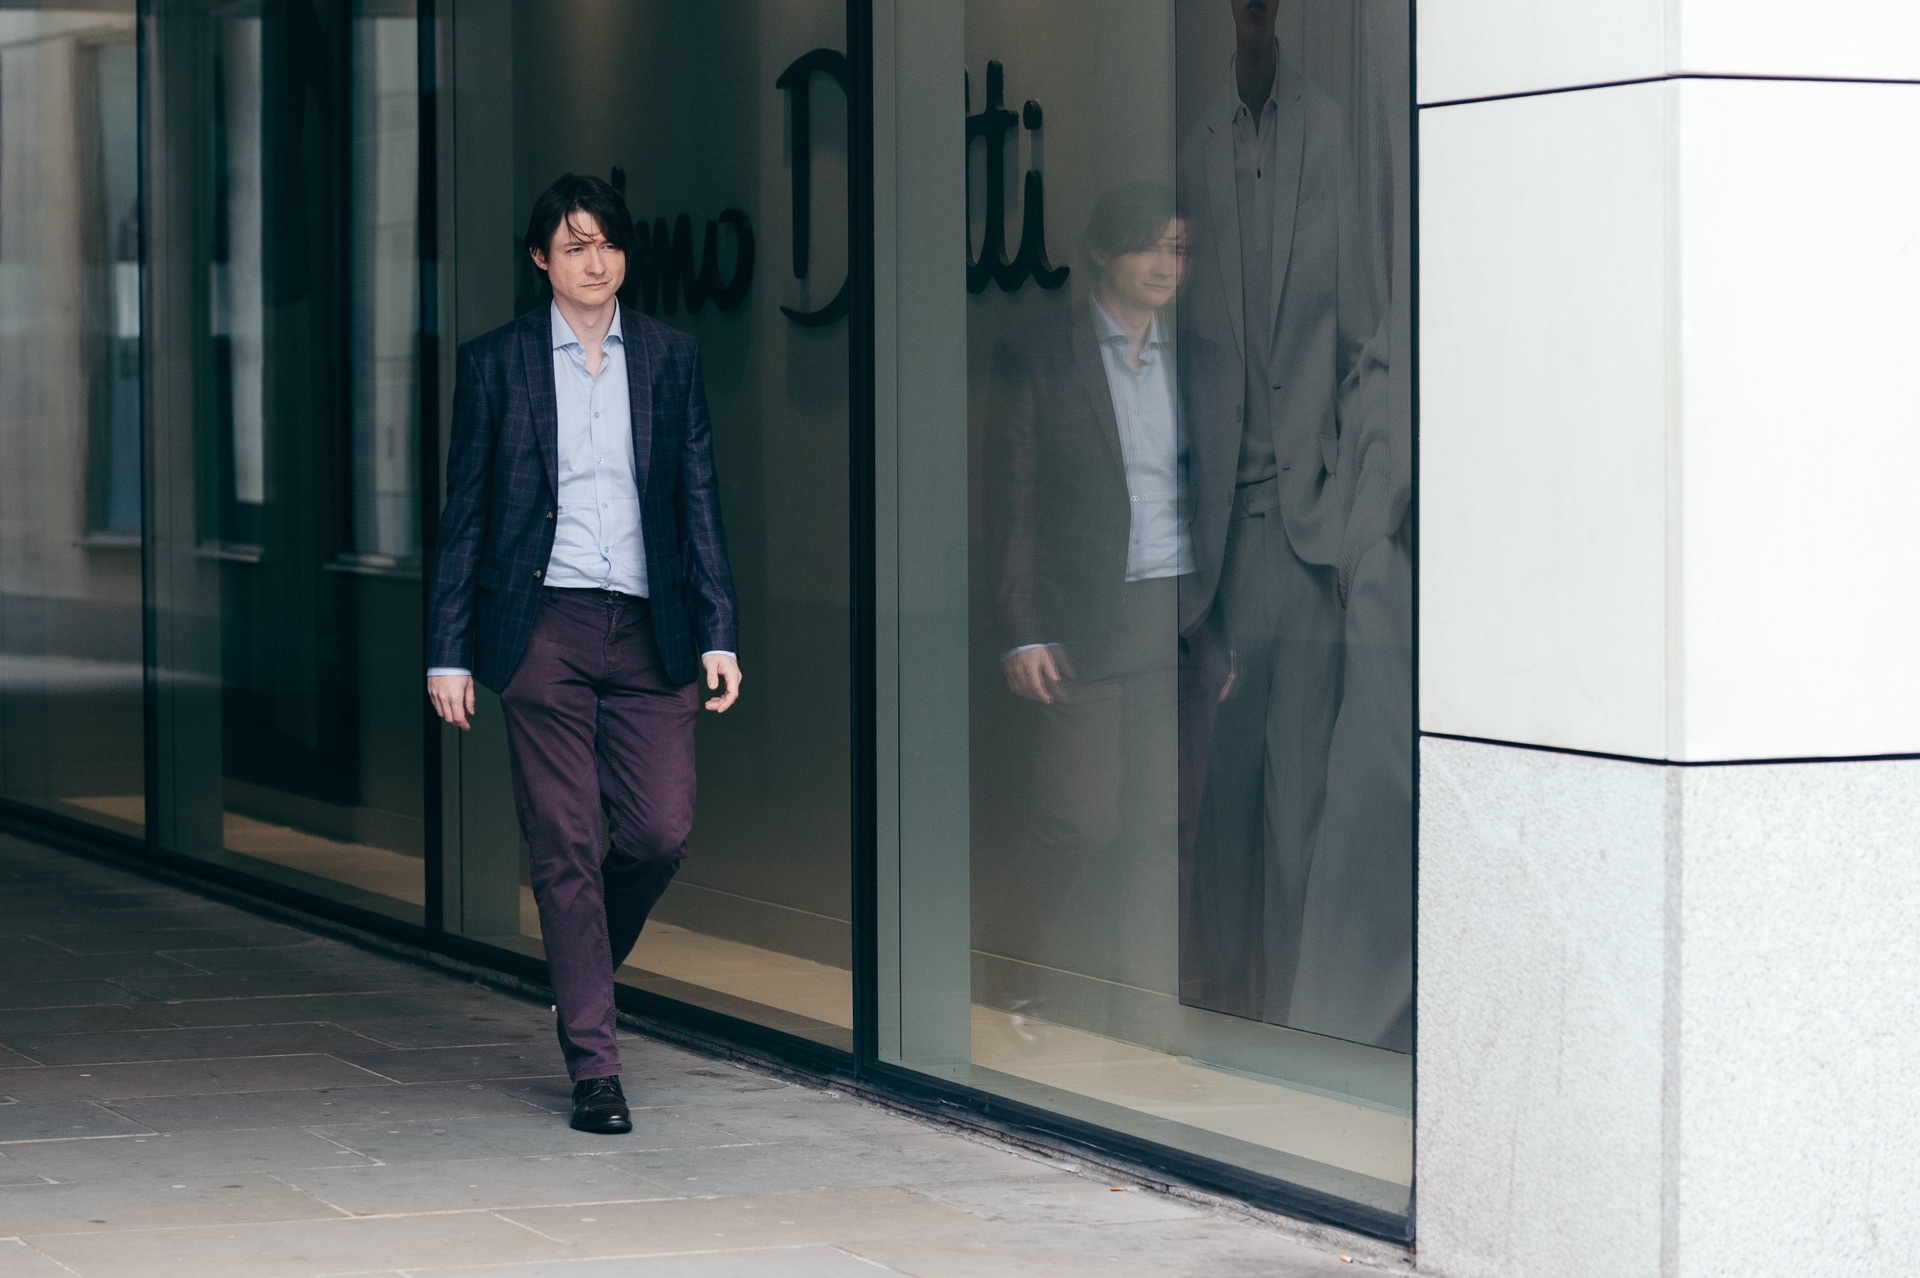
1282,277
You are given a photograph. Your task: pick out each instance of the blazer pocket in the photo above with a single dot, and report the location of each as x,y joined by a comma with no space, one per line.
492,577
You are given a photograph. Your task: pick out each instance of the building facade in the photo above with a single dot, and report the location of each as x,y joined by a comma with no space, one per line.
1151,740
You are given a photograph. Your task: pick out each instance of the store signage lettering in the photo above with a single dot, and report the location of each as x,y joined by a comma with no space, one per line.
991,127
664,271
661,271
797,82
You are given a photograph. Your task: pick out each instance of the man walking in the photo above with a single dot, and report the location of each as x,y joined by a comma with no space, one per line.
582,573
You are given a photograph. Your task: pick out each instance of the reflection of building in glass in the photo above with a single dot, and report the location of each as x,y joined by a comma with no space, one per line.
70,328
385,102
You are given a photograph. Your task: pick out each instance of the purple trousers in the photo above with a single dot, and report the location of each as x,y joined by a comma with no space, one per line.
593,725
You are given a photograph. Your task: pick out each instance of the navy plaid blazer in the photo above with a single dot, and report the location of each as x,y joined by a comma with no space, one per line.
496,532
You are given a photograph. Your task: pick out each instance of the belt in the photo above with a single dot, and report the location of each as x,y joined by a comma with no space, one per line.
595,592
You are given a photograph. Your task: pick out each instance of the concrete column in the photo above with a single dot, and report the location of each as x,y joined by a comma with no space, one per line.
1670,776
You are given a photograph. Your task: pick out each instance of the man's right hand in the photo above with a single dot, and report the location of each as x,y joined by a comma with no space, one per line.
452,698
1037,673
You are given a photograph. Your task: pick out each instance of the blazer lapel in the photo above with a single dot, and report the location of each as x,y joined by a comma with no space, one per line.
1289,151
536,354
1092,368
1224,205
638,344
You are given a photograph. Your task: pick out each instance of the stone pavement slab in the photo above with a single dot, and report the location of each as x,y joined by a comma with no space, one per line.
184,1078
37,1021
474,1184
187,1089
17,1260
323,1106
316,1038
91,1206
770,1262
301,1249
922,1157
68,1120
17,992
109,1160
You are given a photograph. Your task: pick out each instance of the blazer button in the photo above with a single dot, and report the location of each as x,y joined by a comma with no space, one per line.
536,573
549,514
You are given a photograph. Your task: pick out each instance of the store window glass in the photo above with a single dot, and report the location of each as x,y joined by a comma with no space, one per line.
724,126
71,718
1154,741
283,442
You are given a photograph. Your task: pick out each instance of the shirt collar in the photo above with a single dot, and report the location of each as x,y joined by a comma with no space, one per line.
1273,90
563,335
1111,332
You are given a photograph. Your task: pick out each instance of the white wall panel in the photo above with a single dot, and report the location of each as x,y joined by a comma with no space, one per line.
1798,265
1542,891
1797,1134
1859,39
1543,418
1480,48
1484,48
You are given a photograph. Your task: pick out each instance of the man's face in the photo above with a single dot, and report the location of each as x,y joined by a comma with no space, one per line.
1252,21
581,265
1149,279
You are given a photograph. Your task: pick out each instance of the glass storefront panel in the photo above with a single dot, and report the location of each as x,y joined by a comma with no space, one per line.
1145,741
283,438
71,721
724,125
1154,738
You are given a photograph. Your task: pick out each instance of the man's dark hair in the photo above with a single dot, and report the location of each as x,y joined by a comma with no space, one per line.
1128,219
573,193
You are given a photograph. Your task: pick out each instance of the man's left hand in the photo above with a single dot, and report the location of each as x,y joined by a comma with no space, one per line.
723,676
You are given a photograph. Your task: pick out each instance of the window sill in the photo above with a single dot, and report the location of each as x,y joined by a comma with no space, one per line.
230,552
108,540
388,567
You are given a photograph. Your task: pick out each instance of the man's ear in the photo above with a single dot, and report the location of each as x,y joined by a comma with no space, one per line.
539,258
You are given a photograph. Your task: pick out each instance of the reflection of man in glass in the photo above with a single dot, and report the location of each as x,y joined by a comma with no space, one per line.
1280,279
1091,480
582,573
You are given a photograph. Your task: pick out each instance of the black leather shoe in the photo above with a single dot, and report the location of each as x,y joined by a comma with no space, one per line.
600,1106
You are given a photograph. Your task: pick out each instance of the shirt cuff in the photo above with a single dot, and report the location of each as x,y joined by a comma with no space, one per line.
719,652
1025,647
432,671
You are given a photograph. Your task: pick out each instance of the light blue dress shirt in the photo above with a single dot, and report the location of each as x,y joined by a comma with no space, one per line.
1160,543
597,543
